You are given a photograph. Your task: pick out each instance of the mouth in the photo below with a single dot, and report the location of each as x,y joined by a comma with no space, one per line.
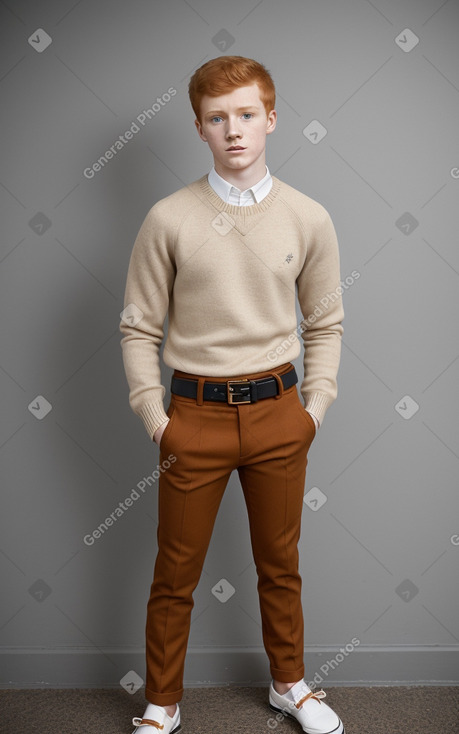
235,147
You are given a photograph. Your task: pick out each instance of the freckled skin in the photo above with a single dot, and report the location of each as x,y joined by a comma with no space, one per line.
224,123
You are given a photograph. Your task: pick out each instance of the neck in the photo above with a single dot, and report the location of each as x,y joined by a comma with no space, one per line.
246,177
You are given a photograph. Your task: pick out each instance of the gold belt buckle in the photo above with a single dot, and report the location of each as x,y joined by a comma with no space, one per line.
240,397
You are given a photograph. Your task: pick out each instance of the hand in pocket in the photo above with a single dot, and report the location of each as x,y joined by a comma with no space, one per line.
159,432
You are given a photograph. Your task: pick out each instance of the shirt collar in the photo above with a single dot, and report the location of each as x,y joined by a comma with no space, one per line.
232,195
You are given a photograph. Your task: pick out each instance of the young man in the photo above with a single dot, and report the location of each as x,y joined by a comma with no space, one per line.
224,257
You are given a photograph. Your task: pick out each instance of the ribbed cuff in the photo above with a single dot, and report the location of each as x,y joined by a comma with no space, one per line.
317,404
153,416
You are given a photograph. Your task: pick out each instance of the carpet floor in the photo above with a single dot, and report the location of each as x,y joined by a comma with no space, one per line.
229,710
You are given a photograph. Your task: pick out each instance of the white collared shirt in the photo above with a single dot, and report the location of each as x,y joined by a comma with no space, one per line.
232,195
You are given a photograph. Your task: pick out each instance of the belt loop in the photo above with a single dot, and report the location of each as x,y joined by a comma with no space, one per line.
280,385
200,391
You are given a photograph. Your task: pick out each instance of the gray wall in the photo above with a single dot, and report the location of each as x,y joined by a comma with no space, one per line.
379,557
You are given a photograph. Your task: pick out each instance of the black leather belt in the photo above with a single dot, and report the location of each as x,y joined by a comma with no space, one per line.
234,392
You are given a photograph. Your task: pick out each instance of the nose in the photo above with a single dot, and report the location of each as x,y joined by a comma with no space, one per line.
232,128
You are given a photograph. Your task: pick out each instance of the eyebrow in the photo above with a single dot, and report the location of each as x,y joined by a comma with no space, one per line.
239,109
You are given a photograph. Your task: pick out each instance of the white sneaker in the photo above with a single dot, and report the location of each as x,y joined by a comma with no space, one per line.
306,707
155,719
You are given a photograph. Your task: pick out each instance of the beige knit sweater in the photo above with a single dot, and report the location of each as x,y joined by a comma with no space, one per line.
228,278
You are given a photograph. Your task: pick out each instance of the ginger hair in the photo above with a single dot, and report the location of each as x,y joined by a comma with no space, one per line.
225,73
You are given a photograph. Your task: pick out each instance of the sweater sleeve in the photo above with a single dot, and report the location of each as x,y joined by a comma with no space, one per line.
150,280
319,296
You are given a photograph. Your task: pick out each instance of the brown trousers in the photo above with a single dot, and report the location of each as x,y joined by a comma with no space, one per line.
267,442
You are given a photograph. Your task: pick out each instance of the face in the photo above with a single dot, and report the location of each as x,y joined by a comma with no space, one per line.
237,119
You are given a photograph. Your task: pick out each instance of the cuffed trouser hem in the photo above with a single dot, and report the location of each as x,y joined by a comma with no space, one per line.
287,676
163,699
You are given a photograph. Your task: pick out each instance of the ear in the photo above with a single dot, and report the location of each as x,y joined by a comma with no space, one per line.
200,131
271,123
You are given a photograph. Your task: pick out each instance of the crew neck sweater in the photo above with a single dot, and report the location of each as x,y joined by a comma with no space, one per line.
232,195
227,277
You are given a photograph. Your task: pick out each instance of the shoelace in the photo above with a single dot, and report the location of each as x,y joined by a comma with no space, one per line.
313,694
137,721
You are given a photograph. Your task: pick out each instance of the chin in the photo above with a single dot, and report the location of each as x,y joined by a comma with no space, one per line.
239,163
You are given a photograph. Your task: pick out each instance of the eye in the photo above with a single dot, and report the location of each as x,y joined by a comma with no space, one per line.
217,117
247,115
